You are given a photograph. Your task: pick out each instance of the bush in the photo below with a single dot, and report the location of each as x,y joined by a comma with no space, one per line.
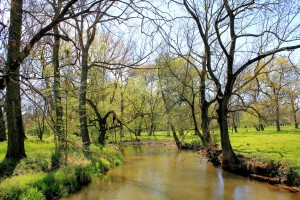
293,176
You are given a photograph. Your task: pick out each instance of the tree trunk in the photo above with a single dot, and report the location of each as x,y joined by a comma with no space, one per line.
178,143
277,116
295,115
16,135
205,122
204,105
139,129
102,132
151,132
197,131
2,127
82,100
41,126
61,147
229,160
261,127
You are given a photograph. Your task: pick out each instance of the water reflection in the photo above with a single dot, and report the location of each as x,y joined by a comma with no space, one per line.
165,173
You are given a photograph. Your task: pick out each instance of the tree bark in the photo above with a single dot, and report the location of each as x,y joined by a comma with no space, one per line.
2,127
16,134
82,100
61,146
204,105
229,159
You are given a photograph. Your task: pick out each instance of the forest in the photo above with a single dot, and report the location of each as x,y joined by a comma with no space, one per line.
78,77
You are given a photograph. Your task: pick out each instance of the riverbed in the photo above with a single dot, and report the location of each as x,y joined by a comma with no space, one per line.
165,173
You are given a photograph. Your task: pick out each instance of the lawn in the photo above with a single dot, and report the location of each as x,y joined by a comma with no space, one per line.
268,144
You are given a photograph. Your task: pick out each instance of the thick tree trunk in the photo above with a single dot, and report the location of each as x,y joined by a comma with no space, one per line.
229,160
205,122
2,127
204,105
16,135
82,100
61,146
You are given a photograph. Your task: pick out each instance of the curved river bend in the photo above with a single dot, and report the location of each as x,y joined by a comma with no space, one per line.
168,174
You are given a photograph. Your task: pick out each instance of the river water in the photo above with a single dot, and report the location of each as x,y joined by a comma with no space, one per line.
168,174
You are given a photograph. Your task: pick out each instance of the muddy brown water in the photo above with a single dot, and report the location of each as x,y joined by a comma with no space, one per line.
168,174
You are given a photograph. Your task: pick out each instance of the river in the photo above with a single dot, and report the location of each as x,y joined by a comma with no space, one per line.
168,174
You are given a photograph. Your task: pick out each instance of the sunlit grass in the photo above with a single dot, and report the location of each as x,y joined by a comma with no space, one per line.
268,144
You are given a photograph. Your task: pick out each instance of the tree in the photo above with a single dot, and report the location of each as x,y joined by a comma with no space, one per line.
16,134
231,22
61,146
273,82
10,76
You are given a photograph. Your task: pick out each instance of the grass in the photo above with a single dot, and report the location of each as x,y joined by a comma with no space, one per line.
269,144
33,177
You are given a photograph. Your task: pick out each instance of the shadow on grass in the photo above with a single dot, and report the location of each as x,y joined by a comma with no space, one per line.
8,166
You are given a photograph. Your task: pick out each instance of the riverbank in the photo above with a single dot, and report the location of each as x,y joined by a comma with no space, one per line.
35,177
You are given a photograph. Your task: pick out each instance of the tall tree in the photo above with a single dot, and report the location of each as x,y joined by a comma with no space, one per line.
16,134
86,27
231,21
61,146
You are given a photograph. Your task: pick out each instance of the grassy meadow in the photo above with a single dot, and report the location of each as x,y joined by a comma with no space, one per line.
268,144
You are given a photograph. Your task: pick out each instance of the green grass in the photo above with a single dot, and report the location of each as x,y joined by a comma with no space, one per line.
33,177
268,144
